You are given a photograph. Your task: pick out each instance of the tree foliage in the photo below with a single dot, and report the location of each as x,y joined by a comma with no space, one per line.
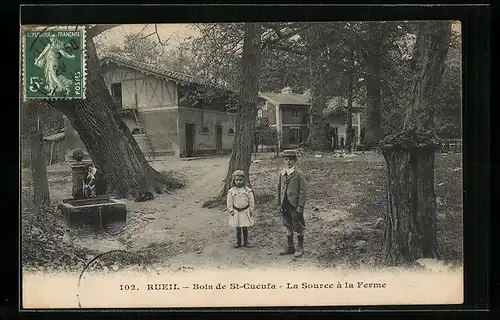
265,134
299,54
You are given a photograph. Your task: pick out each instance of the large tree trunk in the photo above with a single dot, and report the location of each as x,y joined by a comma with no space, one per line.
241,155
411,219
109,142
41,195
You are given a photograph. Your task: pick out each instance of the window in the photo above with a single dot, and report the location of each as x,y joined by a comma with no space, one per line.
116,92
230,132
137,131
205,130
295,113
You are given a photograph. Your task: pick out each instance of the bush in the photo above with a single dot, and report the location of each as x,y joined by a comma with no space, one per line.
265,134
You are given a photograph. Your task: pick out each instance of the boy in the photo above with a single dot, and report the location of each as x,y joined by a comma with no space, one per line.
89,184
291,198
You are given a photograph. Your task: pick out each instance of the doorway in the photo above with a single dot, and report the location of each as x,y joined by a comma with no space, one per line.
190,132
218,142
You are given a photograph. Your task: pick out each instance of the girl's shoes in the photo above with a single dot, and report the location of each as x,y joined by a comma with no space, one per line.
238,238
239,232
245,236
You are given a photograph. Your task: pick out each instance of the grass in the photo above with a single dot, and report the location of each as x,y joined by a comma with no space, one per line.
346,199
357,186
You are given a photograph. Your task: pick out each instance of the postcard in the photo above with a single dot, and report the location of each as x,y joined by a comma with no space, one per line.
276,164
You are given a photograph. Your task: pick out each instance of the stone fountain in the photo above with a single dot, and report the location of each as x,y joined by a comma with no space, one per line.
96,211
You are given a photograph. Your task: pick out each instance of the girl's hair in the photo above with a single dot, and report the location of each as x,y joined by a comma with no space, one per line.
238,173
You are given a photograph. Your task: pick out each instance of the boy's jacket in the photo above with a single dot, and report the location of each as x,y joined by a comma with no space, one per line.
296,190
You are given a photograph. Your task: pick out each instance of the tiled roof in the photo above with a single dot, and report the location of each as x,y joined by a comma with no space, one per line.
158,71
294,99
339,104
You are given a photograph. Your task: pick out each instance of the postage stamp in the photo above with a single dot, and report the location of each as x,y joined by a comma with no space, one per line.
53,62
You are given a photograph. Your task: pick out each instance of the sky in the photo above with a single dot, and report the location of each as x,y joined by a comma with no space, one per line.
173,32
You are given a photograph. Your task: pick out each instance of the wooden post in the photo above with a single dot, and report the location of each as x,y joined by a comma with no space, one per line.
51,152
78,173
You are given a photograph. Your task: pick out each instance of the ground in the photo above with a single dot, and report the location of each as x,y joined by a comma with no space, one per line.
345,207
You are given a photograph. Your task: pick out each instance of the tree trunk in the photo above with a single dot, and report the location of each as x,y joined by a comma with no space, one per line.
241,155
429,58
410,231
350,93
317,138
411,219
373,113
108,140
41,196
372,53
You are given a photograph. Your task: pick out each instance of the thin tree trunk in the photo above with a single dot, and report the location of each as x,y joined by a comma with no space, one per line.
350,93
41,195
372,54
108,140
411,219
373,104
317,138
241,155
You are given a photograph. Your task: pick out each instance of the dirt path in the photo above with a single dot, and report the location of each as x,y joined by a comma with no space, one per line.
346,203
179,234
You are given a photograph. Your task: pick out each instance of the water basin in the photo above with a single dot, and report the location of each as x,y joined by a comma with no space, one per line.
97,211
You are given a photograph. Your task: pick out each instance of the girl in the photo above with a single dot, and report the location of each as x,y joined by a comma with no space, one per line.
240,205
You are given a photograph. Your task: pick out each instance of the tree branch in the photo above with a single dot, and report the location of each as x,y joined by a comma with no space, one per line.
273,27
282,36
290,50
98,29
158,36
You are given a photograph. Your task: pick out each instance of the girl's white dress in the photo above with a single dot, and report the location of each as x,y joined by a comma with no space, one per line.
241,198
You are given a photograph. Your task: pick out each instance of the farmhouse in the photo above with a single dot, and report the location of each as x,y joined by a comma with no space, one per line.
336,116
288,112
169,113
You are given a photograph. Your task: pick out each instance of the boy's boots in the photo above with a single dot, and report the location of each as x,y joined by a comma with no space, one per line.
238,238
300,246
245,236
289,249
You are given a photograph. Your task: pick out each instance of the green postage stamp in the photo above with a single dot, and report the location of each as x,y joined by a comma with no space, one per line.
53,62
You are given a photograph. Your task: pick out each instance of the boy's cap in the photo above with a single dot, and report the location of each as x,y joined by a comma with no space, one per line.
289,153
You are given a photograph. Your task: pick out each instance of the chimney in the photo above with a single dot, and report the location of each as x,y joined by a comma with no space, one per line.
286,90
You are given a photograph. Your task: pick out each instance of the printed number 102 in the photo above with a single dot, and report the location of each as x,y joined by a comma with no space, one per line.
128,287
